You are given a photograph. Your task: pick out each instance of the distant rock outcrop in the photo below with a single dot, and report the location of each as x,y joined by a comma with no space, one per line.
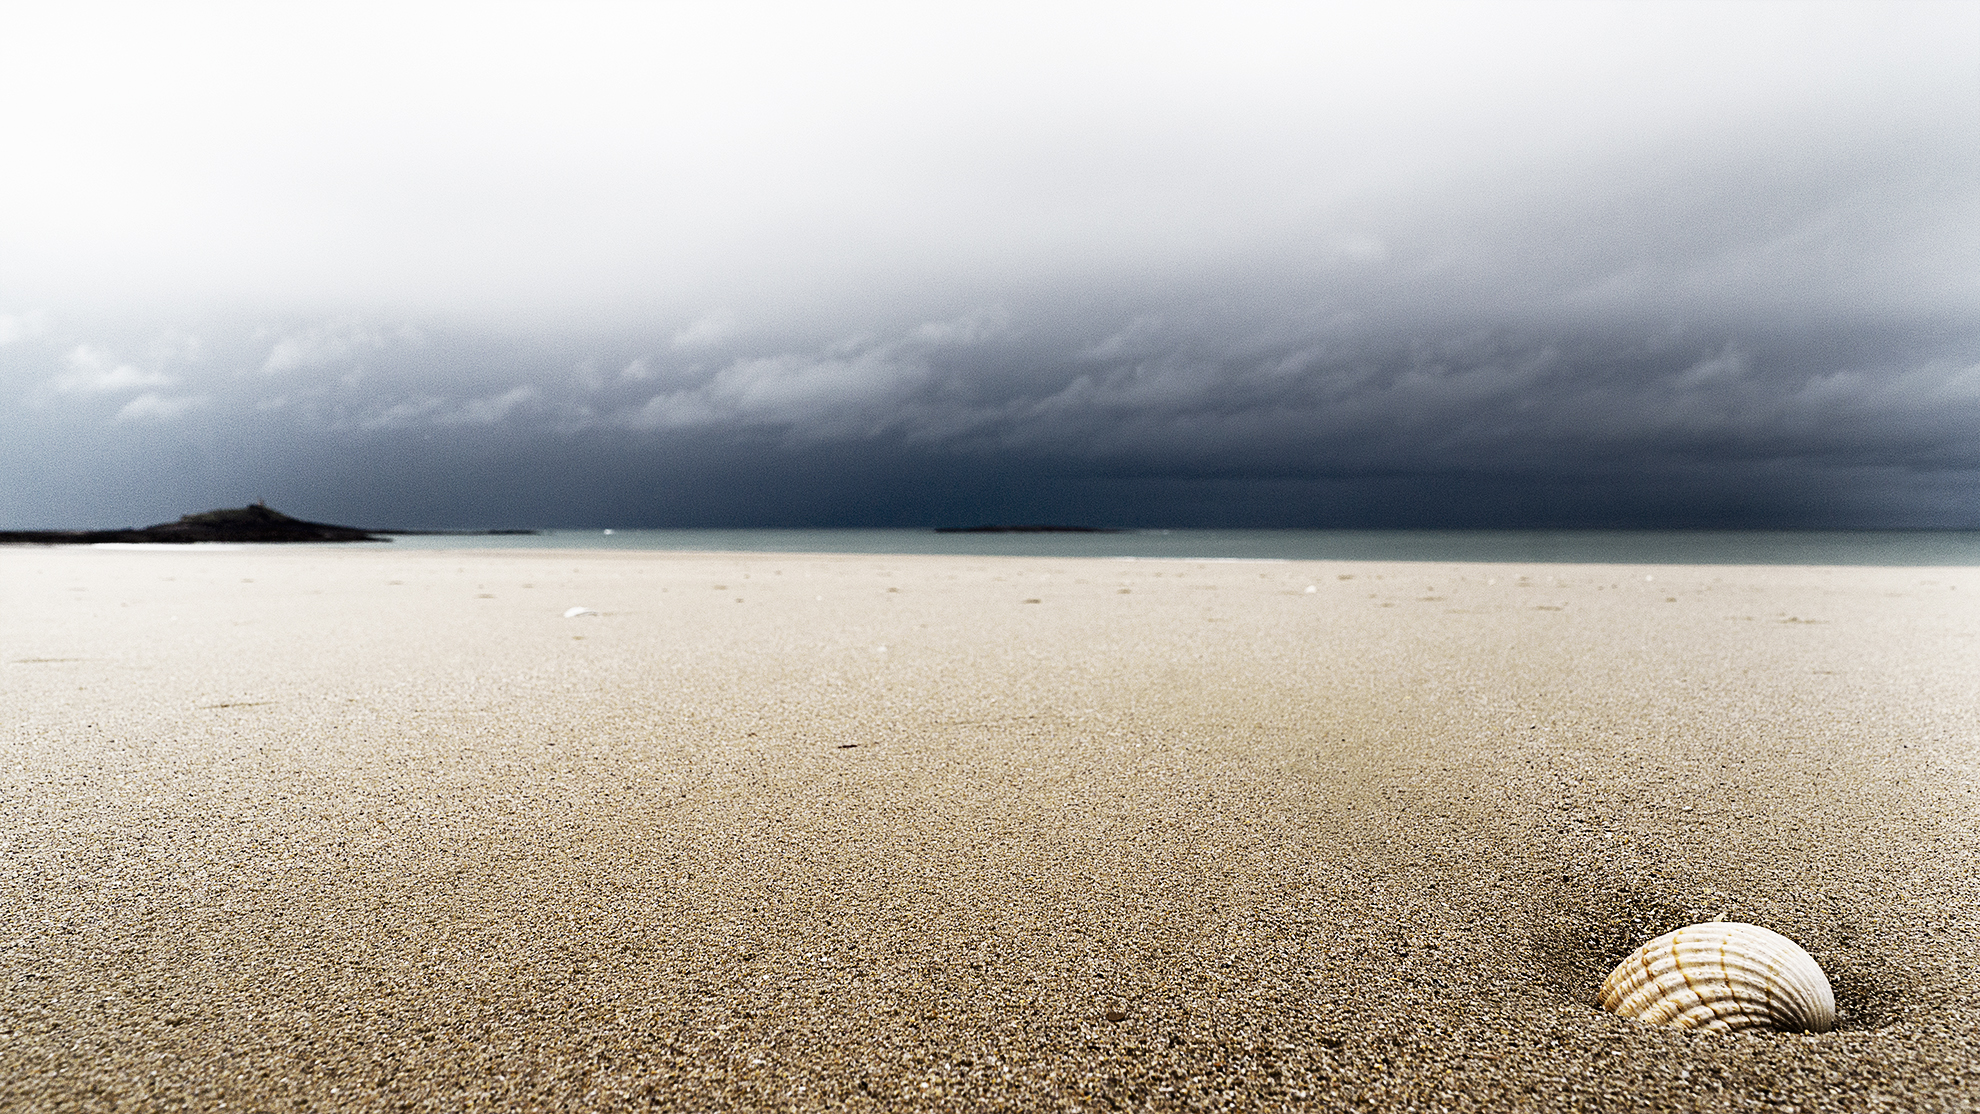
257,523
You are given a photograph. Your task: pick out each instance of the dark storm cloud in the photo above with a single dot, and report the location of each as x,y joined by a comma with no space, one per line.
1882,416
1596,264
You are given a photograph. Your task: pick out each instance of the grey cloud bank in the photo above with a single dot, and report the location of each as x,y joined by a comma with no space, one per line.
1539,265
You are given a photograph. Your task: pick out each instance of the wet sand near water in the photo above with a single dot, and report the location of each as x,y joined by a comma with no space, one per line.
320,829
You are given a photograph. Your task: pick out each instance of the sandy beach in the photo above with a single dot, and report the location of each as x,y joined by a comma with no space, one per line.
321,829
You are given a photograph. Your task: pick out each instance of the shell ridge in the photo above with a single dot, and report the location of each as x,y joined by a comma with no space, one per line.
1704,1000
1776,976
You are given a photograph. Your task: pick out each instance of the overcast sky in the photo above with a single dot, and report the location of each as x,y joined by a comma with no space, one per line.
861,264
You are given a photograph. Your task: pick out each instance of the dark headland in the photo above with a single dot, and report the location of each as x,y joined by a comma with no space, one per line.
256,523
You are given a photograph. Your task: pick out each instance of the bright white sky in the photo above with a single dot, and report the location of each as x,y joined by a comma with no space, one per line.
748,216
570,157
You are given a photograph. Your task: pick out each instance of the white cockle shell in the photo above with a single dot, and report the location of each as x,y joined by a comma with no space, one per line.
1722,977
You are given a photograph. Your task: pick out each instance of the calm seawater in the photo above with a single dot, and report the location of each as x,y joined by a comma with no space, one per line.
1601,547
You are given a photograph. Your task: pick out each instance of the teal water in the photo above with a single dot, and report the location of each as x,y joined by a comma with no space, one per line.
1601,547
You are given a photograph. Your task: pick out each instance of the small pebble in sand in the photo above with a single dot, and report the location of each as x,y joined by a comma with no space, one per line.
577,611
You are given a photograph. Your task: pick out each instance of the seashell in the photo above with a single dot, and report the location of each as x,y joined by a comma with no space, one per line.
1722,977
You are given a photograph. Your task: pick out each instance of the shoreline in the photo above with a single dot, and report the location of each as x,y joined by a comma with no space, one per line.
356,828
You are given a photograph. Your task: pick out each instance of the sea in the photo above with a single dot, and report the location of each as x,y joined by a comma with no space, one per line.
1595,547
